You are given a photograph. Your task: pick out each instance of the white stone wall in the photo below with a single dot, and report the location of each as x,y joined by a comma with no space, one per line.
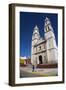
51,47
43,59
48,49
49,34
43,47
52,56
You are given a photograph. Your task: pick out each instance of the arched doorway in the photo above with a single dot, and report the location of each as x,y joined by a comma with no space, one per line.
40,59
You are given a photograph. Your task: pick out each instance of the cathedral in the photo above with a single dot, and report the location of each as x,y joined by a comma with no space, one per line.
44,50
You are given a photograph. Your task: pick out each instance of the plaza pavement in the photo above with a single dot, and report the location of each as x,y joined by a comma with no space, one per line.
40,71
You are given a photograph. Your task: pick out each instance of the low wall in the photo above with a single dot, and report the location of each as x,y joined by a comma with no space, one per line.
47,65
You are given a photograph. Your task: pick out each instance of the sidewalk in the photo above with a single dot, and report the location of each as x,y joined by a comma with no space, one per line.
41,71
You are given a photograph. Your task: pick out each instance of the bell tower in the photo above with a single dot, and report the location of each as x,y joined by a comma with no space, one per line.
35,38
51,47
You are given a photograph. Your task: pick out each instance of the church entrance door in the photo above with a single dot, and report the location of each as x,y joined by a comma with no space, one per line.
40,59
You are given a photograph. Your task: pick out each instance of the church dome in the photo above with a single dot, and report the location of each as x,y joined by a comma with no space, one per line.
36,34
47,21
36,27
47,25
36,30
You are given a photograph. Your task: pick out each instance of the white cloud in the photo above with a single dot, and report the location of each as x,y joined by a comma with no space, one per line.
23,57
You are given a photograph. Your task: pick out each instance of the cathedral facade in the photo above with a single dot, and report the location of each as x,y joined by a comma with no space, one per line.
44,51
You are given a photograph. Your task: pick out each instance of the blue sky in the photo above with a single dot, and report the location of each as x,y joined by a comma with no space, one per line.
28,21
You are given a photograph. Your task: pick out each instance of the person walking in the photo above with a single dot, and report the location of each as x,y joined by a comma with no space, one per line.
33,67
